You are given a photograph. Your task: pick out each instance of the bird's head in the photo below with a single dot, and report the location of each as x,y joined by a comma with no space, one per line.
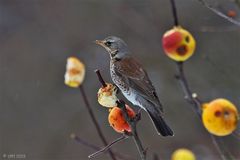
115,46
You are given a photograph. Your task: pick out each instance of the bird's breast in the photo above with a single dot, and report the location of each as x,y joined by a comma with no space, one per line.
119,80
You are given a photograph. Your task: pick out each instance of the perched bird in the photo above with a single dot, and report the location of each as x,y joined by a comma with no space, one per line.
130,77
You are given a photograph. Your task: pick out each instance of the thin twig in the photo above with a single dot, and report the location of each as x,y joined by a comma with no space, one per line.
94,120
204,3
186,89
174,11
133,123
196,103
84,142
96,148
104,149
225,155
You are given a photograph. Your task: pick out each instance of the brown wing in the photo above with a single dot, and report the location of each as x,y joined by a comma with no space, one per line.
136,77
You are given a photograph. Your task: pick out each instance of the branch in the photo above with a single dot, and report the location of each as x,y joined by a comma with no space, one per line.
94,120
189,96
133,125
101,80
219,144
130,121
104,149
204,3
196,103
96,148
174,11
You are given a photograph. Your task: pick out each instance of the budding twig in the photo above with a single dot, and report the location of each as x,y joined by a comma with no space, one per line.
196,103
94,120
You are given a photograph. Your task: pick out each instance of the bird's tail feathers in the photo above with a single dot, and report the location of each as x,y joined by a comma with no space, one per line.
159,123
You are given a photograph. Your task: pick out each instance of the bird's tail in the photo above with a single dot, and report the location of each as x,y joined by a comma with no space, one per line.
159,123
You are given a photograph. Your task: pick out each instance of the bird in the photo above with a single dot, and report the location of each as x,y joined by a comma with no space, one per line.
131,78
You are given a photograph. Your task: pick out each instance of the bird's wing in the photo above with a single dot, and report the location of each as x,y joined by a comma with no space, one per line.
137,79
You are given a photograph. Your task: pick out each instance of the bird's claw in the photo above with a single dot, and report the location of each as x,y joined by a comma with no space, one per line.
138,116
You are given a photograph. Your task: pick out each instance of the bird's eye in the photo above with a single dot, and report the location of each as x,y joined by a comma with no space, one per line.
108,43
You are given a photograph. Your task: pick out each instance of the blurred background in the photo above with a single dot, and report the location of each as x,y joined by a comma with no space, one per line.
38,112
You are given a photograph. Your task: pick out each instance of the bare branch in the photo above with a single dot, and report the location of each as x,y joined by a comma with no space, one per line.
104,149
100,78
94,120
196,103
96,148
174,11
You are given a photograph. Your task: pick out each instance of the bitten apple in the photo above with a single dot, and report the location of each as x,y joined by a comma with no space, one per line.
178,44
117,120
107,96
75,72
220,117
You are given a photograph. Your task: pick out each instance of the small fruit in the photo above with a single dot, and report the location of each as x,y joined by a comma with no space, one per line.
178,44
75,72
183,154
220,117
107,95
117,120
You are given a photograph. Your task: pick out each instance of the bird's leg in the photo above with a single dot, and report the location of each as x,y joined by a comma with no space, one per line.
117,89
138,115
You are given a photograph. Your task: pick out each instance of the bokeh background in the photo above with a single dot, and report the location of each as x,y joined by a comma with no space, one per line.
38,112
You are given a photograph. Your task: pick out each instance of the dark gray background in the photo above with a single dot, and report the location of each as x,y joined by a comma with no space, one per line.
38,112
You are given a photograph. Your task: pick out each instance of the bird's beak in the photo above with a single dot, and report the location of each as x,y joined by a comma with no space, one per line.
100,42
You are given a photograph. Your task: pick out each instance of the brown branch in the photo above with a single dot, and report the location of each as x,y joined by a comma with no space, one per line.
131,121
196,103
107,147
100,78
94,120
186,89
96,148
210,7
